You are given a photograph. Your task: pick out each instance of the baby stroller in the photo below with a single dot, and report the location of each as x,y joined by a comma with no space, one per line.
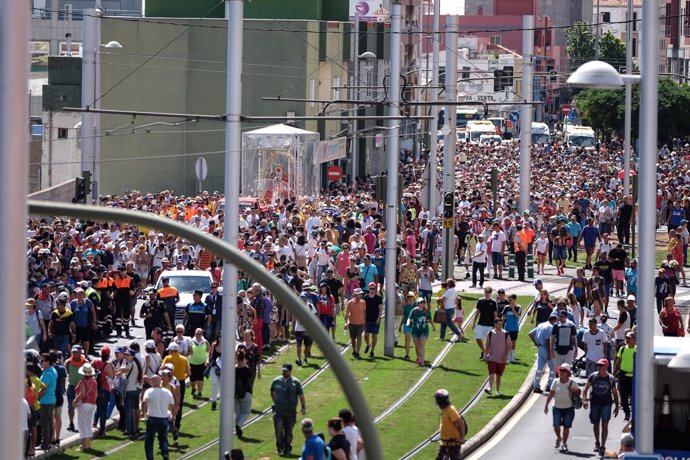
580,363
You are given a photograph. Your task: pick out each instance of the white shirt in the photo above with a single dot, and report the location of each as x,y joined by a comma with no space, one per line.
595,344
312,222
312,309
480,247
498,240
449,298
157,402
352,435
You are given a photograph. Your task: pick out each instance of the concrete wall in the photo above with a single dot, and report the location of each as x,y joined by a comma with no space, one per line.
475,7
189,77
60,193
60,158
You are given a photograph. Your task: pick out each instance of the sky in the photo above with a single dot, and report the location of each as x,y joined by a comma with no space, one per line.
452,6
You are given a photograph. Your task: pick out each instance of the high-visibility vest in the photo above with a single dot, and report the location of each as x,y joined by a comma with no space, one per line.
521,241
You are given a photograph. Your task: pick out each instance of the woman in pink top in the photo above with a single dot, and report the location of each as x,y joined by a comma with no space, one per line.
342,262
85,402
411,243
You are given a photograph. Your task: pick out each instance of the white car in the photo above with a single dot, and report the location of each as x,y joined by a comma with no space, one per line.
186,282
488,138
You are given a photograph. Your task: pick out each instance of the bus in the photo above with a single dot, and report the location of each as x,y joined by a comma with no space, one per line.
540,133
463,115
580,136
476,128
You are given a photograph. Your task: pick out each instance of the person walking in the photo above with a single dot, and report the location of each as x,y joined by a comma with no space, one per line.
487,312
596,344
285,392
158,404
419,320
623,368
243,389
339,444
670,319
314,447
563,345
453,429
447,302
604,394
563,411
479,261
85,402
403,326
511,317
198,361
374,310
498,346
180,371
541,337
47,398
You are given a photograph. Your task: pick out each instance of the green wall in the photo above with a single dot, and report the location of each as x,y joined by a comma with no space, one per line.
189,77
326,10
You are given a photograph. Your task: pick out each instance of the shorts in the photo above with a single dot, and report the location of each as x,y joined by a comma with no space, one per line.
372,327
59,401
542,254
355,330
35,418
563,417
426,295
496,368
197,372
560,252
420,336
83,334
618,275
458,319
407,329
480,332
327,321
71,394
513,335
589,249
302,336
497,258
599,413
437,257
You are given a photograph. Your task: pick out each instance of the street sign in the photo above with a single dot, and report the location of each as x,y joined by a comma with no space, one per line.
572,114
201,169
447,223
514,116
334,173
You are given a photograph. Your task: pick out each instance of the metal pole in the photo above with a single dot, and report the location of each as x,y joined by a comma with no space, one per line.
233,145
96,176
355,96
392,201
433,128
88,89
420,92
452,26
14,75
526,116
628,102
596,44
644,373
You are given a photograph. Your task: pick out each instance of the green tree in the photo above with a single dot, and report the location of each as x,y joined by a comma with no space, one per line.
612,50
604,110
579,43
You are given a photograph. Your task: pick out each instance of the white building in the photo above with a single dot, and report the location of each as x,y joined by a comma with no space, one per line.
613,15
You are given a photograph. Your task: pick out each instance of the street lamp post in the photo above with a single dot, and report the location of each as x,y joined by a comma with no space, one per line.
433,158
628,102
603,75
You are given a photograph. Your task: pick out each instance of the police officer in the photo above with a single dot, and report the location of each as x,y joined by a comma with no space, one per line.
154,313
215,303
197,314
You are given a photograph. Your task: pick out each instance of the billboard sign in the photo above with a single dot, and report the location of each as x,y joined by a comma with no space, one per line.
331,150
369,10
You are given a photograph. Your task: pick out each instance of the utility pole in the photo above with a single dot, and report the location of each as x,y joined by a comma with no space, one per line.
355,96
392,203
597,37
233,146
526,117
628,103
452,26
14,75
88,93
433,128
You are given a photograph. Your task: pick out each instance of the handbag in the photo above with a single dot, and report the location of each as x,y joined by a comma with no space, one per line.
440,316
575,398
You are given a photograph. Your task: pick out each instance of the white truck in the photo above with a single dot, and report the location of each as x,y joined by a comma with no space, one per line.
540,133
475,129
580,136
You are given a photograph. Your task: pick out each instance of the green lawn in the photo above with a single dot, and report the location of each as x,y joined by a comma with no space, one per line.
383,381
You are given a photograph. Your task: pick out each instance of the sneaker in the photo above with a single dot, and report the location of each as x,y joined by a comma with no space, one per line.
366,349
299,361
238,430
538,390
193,393
214,405
176,434
407,357
71,427
487,391
359,356
497,393
371,354
473,286
481,355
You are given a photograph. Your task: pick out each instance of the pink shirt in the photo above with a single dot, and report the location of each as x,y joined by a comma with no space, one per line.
370,240
411,243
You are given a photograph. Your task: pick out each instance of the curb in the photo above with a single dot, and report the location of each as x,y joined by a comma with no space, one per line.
496,423
73,440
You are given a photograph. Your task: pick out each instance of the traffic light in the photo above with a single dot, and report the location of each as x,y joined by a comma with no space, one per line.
494,180
448,209
82,187
498,80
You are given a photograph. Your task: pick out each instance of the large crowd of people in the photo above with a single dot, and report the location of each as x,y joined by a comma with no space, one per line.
85,277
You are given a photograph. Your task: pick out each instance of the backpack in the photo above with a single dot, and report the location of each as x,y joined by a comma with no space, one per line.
507,334
99,375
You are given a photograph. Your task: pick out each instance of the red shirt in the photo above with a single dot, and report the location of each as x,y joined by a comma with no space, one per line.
90,388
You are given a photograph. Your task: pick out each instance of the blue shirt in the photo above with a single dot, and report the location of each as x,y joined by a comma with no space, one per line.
369,273
314,447
542,333
574,229
677,214
81,313
631,279
49,379
512,320
590,234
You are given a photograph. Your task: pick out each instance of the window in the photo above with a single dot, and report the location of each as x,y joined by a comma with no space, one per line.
507,77
68,12
634,47
466,72
686,19
495,40
634,21
606,17
62,133
668,20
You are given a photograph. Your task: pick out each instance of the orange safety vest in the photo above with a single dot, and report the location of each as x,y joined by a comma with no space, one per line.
123,283
166,292
521,241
